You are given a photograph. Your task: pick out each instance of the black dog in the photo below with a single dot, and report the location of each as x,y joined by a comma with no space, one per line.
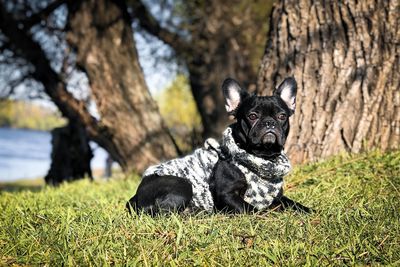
242,173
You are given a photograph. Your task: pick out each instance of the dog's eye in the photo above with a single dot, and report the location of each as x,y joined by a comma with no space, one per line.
253,116
282,117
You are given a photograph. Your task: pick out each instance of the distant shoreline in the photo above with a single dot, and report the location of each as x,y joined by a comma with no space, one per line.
28,115
25,154
23,128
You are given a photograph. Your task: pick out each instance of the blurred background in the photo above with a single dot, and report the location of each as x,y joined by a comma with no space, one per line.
90,86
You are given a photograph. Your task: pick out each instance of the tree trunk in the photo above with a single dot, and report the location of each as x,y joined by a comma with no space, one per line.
345,58
70,155
100,32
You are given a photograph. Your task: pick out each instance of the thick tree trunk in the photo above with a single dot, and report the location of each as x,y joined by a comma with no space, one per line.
100,31
70,155
345,58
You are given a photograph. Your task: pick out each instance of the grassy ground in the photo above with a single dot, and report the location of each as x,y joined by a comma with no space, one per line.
357,223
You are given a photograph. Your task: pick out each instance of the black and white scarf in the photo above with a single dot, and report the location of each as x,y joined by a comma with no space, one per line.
264,177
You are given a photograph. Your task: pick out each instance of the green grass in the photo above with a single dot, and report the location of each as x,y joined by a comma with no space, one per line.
83,223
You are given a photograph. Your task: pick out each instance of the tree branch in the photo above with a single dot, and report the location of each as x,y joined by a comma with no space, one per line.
43,14
23,45
151,25
9,89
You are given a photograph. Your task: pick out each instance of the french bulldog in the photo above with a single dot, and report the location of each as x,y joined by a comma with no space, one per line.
241,173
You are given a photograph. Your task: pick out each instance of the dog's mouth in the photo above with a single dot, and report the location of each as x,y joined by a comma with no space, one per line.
268,147
268,139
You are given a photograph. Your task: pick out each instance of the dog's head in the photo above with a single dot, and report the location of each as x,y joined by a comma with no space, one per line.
262,121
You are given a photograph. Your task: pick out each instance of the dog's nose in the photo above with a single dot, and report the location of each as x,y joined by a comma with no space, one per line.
270,124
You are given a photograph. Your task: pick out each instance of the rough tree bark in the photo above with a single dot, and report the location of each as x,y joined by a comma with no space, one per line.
101,34
345,56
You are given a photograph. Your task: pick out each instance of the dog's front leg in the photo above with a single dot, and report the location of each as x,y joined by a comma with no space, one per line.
284,203
233,201
228,185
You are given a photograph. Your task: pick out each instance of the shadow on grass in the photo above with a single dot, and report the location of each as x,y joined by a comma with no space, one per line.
24,185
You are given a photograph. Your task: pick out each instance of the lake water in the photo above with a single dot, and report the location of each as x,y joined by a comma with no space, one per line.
25,154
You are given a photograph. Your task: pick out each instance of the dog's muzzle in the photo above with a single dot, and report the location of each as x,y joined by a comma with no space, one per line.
269,138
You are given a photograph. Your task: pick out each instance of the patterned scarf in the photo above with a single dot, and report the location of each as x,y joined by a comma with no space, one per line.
264,177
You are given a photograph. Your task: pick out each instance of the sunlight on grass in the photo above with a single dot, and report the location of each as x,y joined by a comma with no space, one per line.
83,223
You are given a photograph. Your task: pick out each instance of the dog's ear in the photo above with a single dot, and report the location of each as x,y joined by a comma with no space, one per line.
233,94
287,92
